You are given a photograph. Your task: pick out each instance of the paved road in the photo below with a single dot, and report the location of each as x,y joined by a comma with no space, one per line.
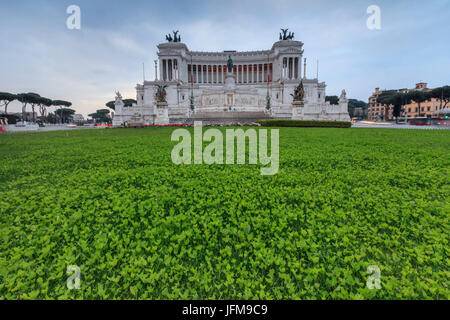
397,126
12,128
32,128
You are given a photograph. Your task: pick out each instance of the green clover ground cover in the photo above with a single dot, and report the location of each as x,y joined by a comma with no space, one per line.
139,227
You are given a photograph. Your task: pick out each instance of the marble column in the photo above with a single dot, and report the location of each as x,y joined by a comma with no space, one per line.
246,67
290,68
196,74
257,73
241,76
295,68
166,70
217,73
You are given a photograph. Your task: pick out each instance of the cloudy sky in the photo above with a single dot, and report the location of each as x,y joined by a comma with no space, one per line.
40,54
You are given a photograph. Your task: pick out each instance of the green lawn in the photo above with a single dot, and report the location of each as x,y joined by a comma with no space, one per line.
112,203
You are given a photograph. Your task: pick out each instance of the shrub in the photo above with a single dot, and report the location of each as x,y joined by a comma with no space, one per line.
305,123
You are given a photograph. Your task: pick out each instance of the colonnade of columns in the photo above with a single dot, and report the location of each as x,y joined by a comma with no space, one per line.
169,69
215,73
291,68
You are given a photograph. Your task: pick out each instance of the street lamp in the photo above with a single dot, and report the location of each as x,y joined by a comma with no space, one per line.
191,98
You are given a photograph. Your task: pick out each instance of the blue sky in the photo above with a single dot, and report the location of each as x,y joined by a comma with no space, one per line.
39,54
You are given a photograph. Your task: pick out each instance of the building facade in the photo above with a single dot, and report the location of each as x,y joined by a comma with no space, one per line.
429,108
199,84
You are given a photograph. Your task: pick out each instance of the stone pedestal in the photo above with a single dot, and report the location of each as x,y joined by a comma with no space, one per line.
298,104
119,105
162,114
230,82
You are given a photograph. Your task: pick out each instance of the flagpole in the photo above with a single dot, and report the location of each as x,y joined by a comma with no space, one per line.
317,76
143,71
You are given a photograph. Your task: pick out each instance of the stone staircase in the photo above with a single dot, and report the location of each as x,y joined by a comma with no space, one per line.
225,118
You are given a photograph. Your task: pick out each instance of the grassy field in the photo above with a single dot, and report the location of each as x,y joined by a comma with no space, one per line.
112,203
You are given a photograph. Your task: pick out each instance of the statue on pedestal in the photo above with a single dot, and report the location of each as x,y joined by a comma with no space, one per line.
175,38
299,95
118,97
161,94
343,97
230,64
118,103
162,111
286,36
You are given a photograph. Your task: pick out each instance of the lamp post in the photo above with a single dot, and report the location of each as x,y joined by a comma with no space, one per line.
191,99
268,84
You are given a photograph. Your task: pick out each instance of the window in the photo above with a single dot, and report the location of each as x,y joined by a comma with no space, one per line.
409,109
429,109
422,109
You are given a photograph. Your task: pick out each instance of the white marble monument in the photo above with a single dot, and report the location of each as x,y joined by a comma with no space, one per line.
244,88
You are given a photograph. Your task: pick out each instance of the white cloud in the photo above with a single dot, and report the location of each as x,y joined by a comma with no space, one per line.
125,43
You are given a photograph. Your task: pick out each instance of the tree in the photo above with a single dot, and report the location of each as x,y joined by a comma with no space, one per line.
44,103
332,99
111,105
60,104
419,97
395,99
126,102
353,104
6,98
129,102
443,94
64,114
34,99
386,99
51,118
24,98
101,115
